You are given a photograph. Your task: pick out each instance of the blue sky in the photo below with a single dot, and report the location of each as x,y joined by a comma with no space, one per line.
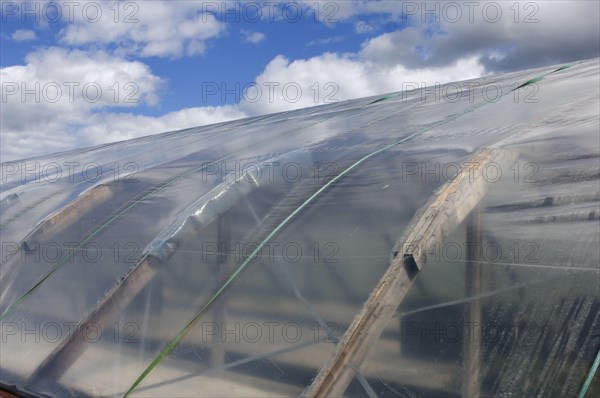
229,58
155,62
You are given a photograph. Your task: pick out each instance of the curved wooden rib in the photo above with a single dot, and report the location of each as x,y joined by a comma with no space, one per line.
431,225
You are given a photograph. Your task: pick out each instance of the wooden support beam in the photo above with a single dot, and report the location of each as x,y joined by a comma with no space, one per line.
548,201
576,216
437,219
6,394
71,213
472,340
114,301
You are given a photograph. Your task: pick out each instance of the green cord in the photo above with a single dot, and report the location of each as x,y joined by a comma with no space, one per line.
590,376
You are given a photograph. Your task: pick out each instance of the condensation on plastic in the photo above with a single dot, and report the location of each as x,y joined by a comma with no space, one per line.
202,199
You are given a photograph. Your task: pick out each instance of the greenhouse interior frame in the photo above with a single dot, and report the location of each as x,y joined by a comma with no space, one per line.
402,245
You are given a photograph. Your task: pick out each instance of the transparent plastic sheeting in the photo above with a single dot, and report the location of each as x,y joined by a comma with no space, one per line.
228,260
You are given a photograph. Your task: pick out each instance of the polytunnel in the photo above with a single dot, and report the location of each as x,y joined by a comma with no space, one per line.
438,242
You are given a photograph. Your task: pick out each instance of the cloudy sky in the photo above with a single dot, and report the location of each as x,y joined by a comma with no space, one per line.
78,73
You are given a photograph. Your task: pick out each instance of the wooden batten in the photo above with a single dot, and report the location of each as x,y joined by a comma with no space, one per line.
114,301
445,211
71,213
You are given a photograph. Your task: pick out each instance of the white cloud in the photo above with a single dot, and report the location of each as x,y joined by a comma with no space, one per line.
330,77
147,29
111,127
293,83
429,51
325,41
23,35
46,101
253,37
87,129
505,36
421,52
363,27
333,11
66,80
62,99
